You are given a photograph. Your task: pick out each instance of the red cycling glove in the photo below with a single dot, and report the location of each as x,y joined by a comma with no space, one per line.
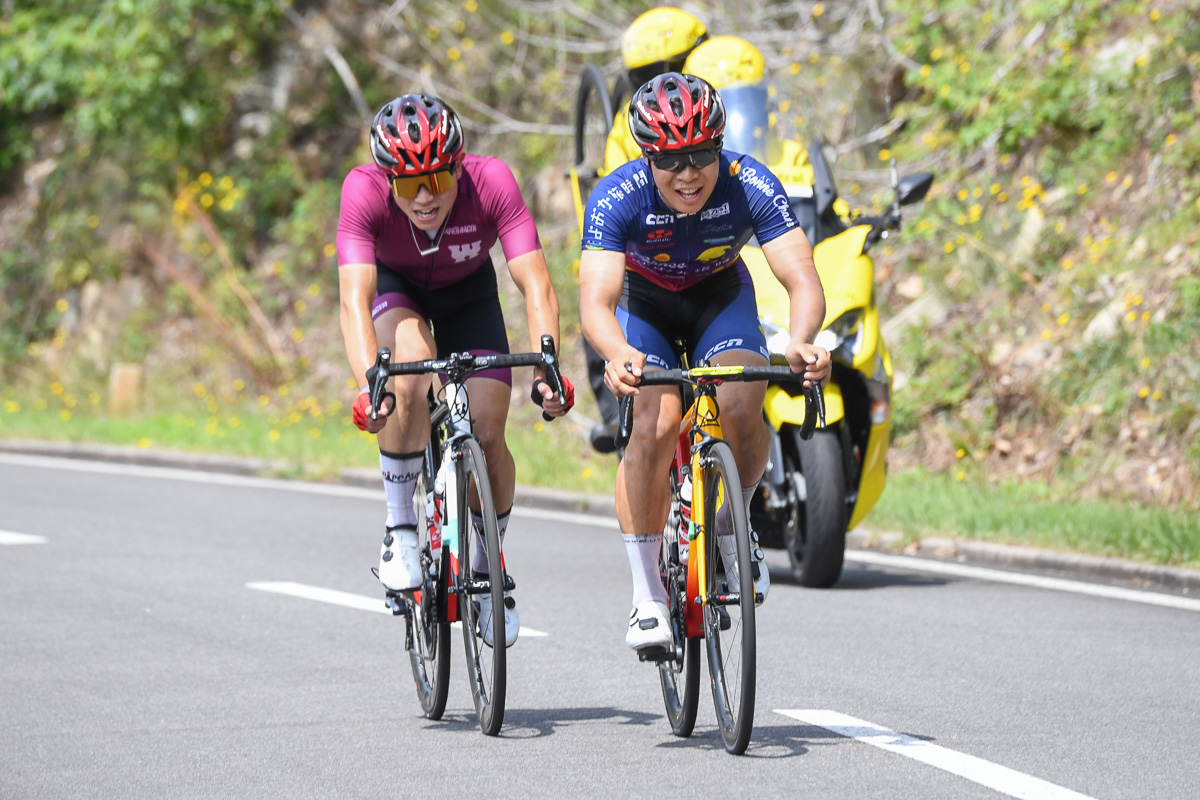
360,412
568,398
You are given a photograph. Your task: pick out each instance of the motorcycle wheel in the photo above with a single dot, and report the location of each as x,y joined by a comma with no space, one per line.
817,545
593,118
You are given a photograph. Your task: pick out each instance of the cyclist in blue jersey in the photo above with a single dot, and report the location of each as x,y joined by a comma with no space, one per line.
661,262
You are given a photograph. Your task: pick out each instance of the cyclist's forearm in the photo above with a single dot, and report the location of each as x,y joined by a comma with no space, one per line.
358,330
541,314
807,312
531,275
603,332
601,279
359,336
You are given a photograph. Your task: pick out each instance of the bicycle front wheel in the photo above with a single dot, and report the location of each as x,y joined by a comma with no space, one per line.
429,650
729,607
486,665
680,677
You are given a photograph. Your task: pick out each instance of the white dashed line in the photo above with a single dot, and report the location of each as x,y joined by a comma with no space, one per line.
977,770
1022,579
334,597
9,537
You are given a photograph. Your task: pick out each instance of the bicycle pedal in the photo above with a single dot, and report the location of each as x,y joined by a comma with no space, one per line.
509,602
656,655
723,621
396,604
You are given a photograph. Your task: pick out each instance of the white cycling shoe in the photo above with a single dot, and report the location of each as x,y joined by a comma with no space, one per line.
512,621
399,563
649,626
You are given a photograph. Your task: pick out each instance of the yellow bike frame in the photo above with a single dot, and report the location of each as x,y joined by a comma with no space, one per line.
702,419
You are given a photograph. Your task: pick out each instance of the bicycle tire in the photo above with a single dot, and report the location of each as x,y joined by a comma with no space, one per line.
731,641
680,678
430,652
486,666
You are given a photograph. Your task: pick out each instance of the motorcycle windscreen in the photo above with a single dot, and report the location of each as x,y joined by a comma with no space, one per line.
747,120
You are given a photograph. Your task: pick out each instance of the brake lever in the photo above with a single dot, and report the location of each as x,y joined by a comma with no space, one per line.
553,375
624,418
377,377
624,422
814,409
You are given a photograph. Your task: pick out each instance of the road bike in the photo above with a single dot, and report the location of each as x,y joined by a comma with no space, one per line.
706,561
452,487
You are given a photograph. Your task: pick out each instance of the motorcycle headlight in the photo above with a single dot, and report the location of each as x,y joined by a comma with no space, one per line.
843,337
777,337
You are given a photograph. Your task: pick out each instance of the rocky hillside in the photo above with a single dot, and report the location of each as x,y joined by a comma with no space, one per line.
170,176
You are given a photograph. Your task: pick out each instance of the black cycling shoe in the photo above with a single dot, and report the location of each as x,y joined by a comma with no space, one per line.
603,438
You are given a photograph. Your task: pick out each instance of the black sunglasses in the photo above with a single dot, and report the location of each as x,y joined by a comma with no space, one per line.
675,162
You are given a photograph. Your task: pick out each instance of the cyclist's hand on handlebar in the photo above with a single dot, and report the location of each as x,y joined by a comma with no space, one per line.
813,361
549,400
360,412
622,373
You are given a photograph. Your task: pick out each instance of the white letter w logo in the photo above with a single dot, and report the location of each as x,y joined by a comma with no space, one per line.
464,252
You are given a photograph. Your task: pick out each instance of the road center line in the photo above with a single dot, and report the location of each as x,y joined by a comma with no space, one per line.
334,597
1022,579
10,537
977,770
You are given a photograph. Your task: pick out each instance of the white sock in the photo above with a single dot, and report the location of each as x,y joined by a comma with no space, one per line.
400,471
748,493
642,550
479,558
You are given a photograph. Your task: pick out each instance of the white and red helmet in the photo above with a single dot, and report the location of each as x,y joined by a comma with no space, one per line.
416,134
675,112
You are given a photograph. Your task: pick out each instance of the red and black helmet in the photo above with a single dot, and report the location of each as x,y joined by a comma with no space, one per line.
415,134
675,112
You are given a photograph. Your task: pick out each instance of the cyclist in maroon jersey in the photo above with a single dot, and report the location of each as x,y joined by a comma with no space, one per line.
415,275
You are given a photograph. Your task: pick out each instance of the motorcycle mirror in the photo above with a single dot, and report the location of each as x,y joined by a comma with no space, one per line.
824,191
913,188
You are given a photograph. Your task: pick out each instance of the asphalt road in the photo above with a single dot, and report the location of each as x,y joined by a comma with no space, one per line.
137,661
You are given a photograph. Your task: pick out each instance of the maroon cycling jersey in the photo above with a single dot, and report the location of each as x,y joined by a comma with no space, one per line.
489,206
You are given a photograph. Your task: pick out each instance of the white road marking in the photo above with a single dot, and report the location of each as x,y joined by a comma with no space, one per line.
335,490
191,475
977,770
9,537
1022,579
355,601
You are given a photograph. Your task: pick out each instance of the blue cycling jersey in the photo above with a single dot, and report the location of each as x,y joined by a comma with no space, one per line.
626,214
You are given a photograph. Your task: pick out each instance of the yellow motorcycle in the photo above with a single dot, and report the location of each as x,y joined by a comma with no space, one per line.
814,491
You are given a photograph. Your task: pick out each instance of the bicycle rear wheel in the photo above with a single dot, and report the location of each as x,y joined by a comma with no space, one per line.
680,677
729,608
486,665
429,653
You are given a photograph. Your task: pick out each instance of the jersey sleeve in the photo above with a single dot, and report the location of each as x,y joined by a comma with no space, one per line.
606,219
770,211
357,224
503,203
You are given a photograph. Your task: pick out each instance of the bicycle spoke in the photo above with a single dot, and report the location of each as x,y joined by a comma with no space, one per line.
729,610
486,664
428,632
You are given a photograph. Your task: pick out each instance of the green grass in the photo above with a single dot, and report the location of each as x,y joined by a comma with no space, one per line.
305,438
918,504
315,441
